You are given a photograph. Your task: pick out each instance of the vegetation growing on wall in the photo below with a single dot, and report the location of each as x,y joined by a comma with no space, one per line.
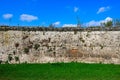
82,40
101,46
16,45
107,26
26,50
17,58
10,58
36,46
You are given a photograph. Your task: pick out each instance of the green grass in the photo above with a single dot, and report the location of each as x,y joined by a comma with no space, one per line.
60,71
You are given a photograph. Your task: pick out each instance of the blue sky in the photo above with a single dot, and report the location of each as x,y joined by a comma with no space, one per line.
58,12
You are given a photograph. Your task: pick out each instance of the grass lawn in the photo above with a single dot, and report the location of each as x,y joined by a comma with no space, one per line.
60,71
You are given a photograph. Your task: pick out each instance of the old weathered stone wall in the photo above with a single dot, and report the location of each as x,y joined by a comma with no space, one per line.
56,46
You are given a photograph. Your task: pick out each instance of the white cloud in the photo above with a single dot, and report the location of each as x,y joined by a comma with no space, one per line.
98,23
56,23
103,9
93,23
76,9
28,18
7,16
69,25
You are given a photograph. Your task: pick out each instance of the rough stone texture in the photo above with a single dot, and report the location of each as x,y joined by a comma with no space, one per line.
55,46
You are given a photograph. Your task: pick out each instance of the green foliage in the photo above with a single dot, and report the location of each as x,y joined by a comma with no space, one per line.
81,39
108,24
6,62
10,57
60,71
36,46
16,58
25,62
26,50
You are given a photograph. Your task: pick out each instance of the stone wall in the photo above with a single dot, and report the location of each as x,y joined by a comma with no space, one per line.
56,46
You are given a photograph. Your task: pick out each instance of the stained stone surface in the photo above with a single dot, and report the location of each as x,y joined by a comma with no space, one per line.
56,46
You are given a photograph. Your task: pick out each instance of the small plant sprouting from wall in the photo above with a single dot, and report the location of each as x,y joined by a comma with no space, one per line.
91,46
26,50
36,46
49,39
10,58
101,46
16,58
64,47
107,57
81,39
54,53
75,31
50,50
85,45
25,37
16,45
14,52
6,62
